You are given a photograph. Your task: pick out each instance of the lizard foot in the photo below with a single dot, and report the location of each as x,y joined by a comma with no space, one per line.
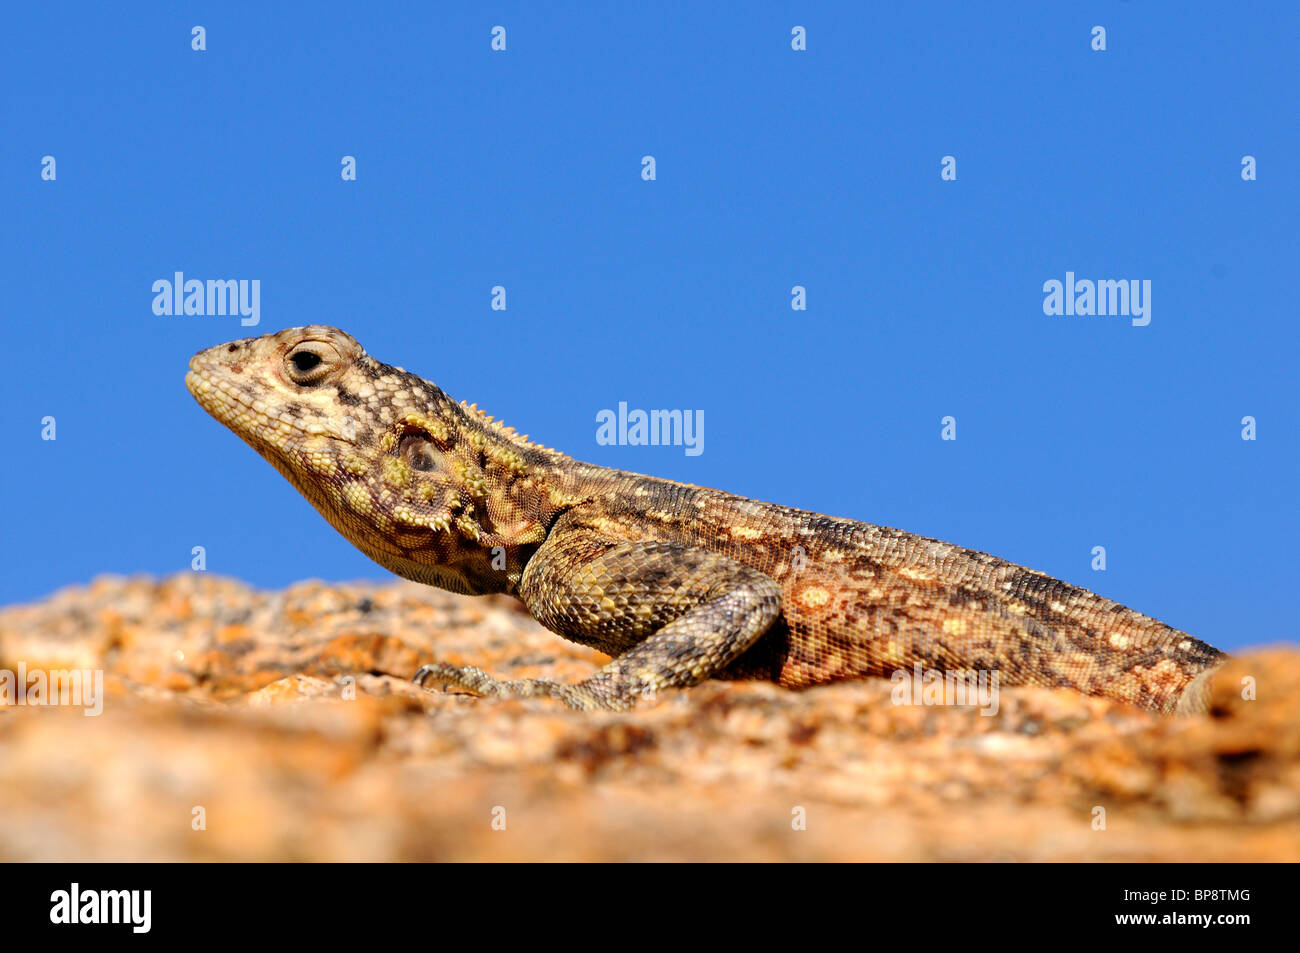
475,681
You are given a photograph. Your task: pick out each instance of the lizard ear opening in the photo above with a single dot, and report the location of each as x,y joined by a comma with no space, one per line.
420,453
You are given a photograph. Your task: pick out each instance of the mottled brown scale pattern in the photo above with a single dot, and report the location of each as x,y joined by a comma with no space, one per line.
678,583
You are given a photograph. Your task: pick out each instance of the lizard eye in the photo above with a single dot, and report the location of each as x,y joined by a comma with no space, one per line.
419,452
309,362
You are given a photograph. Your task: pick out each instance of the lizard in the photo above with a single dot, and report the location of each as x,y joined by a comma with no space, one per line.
677,583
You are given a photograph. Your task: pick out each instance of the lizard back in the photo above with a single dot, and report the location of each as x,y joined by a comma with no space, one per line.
864,600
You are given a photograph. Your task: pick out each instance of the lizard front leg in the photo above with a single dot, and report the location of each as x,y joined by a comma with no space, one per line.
671,614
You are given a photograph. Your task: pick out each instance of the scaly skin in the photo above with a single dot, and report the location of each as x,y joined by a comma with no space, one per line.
678,583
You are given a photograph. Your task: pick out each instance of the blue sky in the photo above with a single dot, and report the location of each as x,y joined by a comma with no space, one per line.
774,168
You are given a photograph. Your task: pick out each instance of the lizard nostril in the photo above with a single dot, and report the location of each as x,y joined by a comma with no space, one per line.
232,348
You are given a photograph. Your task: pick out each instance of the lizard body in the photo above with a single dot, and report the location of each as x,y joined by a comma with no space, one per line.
678,583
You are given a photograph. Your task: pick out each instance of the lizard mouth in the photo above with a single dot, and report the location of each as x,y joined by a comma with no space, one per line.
230,405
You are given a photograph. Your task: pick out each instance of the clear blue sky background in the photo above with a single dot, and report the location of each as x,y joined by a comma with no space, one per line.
775,168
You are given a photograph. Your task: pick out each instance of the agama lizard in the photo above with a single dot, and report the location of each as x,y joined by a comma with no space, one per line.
676,582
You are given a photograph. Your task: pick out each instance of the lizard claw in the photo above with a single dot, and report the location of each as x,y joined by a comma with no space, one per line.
440,676
467,679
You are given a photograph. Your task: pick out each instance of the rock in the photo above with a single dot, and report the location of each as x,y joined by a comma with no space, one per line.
239,724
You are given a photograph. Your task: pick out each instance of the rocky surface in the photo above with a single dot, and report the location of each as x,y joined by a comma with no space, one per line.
239,724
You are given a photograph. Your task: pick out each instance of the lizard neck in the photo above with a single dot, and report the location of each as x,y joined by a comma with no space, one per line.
503,492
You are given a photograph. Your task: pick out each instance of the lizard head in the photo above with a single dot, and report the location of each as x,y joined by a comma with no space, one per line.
421,484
